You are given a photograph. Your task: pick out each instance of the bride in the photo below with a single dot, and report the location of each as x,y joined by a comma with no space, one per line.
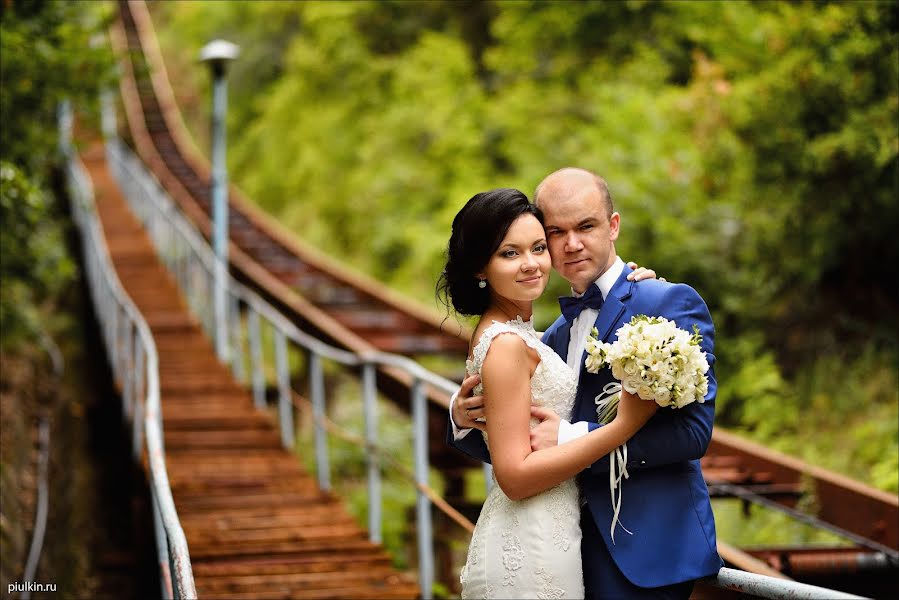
527,541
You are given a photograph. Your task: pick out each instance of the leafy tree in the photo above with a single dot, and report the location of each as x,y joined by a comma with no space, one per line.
48,51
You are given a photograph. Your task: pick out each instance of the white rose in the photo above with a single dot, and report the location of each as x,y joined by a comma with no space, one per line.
663,396
630,384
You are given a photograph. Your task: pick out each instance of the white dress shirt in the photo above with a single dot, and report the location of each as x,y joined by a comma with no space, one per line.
580,329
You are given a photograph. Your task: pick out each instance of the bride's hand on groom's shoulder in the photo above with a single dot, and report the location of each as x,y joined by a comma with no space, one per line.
639,273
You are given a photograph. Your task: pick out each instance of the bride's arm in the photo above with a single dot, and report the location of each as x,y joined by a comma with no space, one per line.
521,473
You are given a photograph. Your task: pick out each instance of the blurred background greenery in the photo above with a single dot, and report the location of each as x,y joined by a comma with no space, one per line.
751,148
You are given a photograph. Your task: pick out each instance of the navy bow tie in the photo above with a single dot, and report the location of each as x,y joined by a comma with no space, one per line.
572,307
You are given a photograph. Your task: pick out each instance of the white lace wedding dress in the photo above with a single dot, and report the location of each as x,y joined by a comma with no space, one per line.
528,548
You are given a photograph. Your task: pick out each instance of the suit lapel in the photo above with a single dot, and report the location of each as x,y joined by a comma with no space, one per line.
562,340
609,316
614,306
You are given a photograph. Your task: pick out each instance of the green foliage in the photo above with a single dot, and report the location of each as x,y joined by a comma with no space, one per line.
47,53
763,527
841,411
751,149
50,51
34,266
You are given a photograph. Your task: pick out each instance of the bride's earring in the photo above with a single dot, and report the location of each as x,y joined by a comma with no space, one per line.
482,283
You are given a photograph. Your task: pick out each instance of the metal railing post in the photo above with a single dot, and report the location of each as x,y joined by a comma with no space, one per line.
370,409
237,366
256,366
423,504
488,477
285,406
138,430
127,369
138,367
162,551
317,393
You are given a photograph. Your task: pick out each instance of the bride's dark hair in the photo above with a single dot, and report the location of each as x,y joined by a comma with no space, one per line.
477,232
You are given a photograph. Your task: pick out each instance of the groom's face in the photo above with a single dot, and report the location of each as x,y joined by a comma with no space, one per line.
580,234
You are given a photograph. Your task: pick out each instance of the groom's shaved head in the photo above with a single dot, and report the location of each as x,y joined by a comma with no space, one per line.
572,181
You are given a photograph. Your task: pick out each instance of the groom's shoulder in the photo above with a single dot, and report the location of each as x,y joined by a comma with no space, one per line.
653,290
552,329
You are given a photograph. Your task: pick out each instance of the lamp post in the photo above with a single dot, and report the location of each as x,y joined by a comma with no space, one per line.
216,54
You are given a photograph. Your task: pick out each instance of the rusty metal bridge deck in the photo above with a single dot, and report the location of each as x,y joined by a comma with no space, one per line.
256,523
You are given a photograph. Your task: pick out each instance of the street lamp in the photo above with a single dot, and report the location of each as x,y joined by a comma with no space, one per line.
216,54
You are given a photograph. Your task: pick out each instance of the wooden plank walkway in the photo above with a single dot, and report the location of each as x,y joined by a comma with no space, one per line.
256,524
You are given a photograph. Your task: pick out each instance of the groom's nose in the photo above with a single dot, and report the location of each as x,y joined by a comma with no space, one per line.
573,242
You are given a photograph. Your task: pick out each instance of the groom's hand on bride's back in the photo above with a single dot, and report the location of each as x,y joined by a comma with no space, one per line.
467,408
546,433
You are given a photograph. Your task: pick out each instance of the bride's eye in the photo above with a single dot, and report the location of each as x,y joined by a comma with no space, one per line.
539,248
510,254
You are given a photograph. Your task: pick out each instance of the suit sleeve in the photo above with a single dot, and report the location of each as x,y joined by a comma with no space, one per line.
676,435
472,444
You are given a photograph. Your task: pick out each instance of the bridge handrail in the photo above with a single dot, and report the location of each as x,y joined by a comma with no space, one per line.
764,586
185,251
130,346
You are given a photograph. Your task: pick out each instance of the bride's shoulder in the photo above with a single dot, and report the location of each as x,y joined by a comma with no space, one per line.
505,347
498,338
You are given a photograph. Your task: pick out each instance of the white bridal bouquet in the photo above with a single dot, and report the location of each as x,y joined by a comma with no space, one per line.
654,359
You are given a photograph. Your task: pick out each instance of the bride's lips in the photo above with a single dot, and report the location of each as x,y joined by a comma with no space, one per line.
533,279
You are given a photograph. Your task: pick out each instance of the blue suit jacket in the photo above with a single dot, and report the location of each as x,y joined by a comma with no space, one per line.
665,502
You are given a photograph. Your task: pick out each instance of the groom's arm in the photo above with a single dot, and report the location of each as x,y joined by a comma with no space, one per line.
472,445
677,434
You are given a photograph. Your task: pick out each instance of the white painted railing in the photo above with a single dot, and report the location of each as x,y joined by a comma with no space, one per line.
135,366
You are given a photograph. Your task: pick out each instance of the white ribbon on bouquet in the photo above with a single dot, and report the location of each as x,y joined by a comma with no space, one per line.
605,404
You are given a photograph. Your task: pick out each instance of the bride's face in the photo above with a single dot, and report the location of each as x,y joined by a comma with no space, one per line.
519,269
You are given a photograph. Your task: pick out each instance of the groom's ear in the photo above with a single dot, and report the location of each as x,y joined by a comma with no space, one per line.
614,226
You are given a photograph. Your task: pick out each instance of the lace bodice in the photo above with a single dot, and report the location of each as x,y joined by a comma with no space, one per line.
554,383
528,548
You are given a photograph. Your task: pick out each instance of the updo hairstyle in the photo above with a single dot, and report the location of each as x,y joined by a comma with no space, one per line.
478,230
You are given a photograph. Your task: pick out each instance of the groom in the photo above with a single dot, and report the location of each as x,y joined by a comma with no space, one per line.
665,502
